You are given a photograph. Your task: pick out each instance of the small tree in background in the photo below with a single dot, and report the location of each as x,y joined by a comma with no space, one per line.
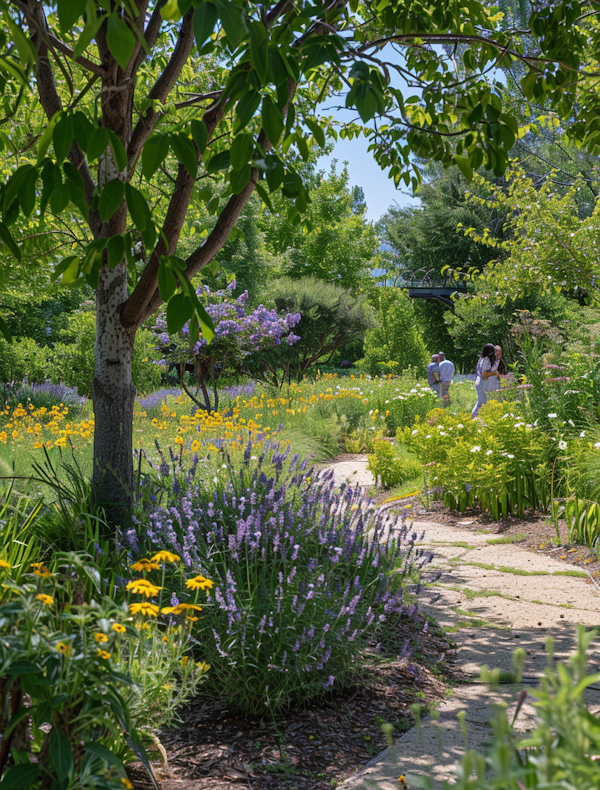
331,317
395,343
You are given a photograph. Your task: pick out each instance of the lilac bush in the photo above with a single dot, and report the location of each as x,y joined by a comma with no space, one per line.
304,573
238,333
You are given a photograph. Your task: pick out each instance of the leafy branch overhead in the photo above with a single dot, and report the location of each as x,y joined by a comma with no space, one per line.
129,142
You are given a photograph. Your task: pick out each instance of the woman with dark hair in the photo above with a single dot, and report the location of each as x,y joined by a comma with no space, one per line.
487,376
502,369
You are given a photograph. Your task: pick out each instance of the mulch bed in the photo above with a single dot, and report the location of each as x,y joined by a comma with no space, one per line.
317,747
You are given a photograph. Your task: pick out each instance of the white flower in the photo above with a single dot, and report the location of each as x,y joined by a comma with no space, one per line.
460,425
519,424
476,449
508,455
489,452
571,423
562,445
370,412
582,435
429,437
413,390
387,401
416,430
597,444
443,433
440,427
553,415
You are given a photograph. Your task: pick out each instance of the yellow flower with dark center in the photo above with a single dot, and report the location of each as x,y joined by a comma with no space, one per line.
143,587
181,608
144,608
40,569
103,654
4,564
199,583
46,599
100,637
120,629
166,556
195,446
144,565
64,649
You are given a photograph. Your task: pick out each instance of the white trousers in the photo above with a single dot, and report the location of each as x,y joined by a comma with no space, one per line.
481,399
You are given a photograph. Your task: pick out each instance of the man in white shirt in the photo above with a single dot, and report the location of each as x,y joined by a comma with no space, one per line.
446,376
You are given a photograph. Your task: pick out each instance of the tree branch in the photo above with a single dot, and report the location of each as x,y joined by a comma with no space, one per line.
95,68
163,87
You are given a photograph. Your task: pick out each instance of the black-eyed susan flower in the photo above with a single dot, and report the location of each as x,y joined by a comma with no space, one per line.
181,608
45,599
40,569
144,608
100,637
120,629
103,654
64,649
199,583
144,565
165,556
143,587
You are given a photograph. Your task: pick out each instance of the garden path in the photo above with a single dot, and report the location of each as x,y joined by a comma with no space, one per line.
495,598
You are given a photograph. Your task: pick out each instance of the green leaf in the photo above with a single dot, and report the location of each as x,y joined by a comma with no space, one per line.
82,129
60,198
464,167
233,18
23,45
62,137
179,310
184,150
264,196
138,208
4,330
97,143
205,321
272,120
218,161
317,131
259,50
27,192
205,19
92,26
170,11
239,179
78,199
167,282
69,275
245,109
199,133
116,251
9,241
69,12
18,777
120,39
61,754
241,150
104,754
46,137
111,198
154,153
118,149
63,266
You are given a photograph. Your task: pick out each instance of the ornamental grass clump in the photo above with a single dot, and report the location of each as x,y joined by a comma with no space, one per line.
303,573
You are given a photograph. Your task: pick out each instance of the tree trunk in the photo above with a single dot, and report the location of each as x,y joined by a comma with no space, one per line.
113,394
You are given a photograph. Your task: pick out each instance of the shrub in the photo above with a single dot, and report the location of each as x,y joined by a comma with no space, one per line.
502,465
303,574
331,317
23,359
396,339
72,359
43,395
389,469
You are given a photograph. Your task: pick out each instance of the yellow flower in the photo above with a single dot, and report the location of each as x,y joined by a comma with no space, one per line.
143,587
144,608
184,661
64,649
103,654
165,556
40,569
179,440
120,629
100,637
195,446
144,565
203,666
126,783
4,564
181,608
199,583
47,599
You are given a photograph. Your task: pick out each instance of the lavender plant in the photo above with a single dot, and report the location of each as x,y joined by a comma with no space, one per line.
304,573
46,394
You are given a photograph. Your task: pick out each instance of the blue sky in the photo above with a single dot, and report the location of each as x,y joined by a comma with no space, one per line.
380,191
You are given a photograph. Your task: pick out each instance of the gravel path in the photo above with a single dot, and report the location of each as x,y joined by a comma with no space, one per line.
494,598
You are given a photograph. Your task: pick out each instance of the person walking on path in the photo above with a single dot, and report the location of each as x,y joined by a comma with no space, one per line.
487,376
446,376
433,374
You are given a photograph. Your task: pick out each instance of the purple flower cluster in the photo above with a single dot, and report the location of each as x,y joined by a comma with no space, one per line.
303,572
156,399
46,394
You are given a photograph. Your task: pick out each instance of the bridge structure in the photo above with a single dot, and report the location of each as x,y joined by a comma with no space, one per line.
440,290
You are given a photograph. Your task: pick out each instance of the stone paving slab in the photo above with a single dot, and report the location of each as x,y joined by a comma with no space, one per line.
354,473
487,630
